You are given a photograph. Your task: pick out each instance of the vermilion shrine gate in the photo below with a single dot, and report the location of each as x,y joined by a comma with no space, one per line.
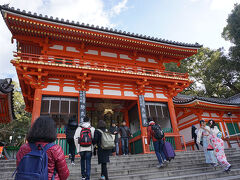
66,68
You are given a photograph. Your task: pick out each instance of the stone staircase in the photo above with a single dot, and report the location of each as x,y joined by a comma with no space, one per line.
186,166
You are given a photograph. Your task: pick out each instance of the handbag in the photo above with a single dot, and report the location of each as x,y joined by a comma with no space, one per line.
219,134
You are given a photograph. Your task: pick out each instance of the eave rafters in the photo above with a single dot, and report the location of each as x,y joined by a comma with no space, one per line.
33,27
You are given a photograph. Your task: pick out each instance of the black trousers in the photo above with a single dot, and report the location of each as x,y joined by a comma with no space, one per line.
195,140
72,148
104,170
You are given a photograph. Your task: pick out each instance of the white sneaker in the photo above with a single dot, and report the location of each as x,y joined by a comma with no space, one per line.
72,163
102,178
160,166
165,161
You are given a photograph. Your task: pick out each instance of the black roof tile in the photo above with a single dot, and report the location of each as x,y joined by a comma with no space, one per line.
183,99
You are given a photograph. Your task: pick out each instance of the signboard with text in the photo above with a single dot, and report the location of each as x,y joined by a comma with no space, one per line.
82,100
143,110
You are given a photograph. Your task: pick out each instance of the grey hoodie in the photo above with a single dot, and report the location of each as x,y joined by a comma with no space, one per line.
77,135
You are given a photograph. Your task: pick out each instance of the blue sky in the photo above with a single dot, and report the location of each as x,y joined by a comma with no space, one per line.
188,21
179,20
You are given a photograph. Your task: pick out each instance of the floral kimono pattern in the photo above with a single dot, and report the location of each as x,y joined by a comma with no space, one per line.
209,155
218,145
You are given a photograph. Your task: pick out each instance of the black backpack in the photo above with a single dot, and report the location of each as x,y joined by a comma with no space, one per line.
85,139
157,131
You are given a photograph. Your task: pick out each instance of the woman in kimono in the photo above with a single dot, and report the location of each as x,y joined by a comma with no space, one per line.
213,127
218,146
203,133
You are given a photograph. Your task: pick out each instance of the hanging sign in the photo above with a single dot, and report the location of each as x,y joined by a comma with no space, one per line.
82,100
143,110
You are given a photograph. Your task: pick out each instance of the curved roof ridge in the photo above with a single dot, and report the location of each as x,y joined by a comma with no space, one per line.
96,27
183,99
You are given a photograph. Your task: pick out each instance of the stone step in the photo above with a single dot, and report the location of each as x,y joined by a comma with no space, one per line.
236,177
154,162
128,164
163,172
143,166
194,176
119,166
119,172
181,153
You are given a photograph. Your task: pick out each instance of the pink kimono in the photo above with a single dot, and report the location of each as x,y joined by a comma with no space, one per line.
218,146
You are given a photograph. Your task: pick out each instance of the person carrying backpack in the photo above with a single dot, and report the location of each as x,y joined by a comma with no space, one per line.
40,158
194,135
105,143
70,131
83,139
155,133
125,134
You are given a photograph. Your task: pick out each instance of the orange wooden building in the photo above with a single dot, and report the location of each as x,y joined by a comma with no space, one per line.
6,101
67,68
225,112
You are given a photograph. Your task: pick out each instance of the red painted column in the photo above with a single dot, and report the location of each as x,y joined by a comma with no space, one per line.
173,116
36,104
126,117
174,124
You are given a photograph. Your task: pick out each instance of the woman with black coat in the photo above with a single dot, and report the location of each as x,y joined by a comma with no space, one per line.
103,155
70,131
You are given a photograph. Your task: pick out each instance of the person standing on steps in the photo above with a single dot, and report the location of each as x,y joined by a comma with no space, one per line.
213,127
125,134
103,154
194,135
70,131
84,143
114,130
155,133
218,146
203,133
41,135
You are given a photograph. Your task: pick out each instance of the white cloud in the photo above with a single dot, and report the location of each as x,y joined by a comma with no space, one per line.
225,5
118,8
87,11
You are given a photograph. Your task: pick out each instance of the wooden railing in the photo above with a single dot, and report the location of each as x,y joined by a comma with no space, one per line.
137,143
88,63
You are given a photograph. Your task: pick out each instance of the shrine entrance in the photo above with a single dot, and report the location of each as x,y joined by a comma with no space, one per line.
115,110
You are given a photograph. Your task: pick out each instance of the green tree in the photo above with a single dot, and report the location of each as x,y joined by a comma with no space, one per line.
18,128
211,72
232,33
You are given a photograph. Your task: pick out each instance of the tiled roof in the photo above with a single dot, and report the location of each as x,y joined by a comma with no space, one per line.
6,88
100,29
183,99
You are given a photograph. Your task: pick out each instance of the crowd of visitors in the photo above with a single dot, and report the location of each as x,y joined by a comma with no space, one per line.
40,157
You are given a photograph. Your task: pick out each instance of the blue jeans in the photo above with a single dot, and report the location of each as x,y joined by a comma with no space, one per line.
124,145
86,163
117,148
158,147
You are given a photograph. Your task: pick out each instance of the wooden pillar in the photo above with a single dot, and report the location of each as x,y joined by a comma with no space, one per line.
36,104
173,116
126,117
174,124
